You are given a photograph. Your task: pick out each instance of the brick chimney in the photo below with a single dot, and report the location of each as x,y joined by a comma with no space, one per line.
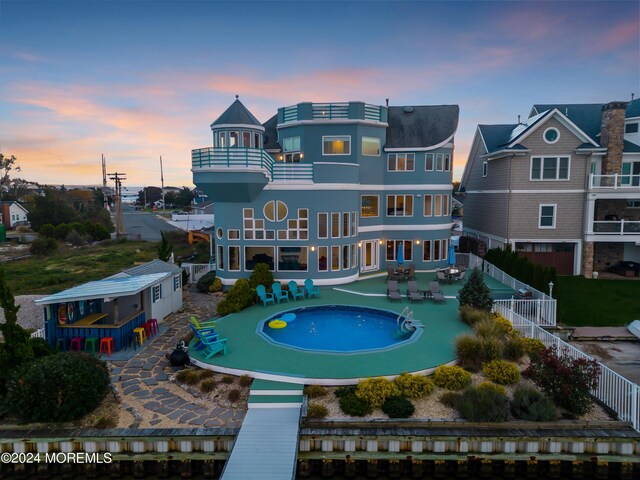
612,136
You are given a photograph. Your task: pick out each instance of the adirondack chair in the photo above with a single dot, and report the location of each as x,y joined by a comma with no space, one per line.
206,325
311,290
278,293
295,291
263,296
212,346
199,334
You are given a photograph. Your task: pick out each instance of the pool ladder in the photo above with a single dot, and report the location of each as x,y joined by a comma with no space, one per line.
409,323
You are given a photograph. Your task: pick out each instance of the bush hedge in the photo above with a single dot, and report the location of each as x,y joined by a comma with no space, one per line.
57,388
238,298
471,315
493,386
398,407
354,405
502,372
261,275
314,391
414,386
513,348
529,404
376,390
205,282
317,410
216,285
43,246
451,377
483,405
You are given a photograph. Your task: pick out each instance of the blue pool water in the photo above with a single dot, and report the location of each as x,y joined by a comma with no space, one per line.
337,329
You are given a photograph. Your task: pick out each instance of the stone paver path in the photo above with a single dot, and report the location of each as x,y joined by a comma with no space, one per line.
143,381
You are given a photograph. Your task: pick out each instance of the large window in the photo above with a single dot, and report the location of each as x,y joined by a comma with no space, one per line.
547,216
292,259
401,162
426,252
440,161
437,206
335,225
335,257
354,256
345,224
369,205
392,250
428,205
323,256
336,145
399,205
447,162
371,146
255,255
273,211
354,224
428,161
234,259
323,219
549,168
220,258
345,257
246,139
291,149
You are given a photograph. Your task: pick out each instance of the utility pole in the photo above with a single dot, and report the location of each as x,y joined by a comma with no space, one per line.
105,197
118,178
162,181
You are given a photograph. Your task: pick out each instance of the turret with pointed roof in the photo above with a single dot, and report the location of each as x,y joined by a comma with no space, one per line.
237,114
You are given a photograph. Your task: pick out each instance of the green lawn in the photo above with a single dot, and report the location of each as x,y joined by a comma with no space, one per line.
72,266
598,303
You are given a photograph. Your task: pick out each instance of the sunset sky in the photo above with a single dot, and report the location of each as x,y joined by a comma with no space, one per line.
139,79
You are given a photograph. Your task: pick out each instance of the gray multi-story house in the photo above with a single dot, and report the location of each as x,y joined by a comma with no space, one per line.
329,191
563,187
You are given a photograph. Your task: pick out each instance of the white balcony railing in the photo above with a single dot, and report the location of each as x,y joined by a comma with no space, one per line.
616,227
615,182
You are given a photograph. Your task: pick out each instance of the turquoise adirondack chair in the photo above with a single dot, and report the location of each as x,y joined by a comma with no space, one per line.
311,290
278,293
263,296
295,291
212,345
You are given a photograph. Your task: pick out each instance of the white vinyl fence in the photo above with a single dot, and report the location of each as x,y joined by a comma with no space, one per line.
197,270
616,392
38,333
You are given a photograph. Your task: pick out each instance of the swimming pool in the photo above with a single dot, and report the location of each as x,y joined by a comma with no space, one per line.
337,329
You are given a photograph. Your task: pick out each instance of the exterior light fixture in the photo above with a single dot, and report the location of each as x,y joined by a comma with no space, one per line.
380,242
550,289
301,155
313,249
417,242
359,244
280,157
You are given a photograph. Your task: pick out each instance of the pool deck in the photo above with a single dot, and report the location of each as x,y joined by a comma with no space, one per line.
250,354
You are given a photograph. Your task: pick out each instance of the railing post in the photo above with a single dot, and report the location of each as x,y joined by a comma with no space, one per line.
615,180
634,406
622,226
538,312
246,157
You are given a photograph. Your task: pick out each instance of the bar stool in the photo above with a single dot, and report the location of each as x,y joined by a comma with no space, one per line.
135,340
90,341
62,344
142,334
75,344
106,345
153,323
147,329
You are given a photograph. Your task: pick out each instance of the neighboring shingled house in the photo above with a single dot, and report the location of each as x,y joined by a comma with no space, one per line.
562,188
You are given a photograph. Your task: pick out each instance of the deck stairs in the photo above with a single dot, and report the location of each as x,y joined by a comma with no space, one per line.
267,444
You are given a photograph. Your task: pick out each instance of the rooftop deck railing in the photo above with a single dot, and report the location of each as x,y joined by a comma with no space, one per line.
616,227
331,111
292,172
616,392
615,181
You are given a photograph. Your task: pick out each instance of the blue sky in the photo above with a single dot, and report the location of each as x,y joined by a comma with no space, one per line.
139,79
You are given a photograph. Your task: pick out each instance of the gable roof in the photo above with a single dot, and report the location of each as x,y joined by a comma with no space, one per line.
586,116
152,267
633,109
12,202
496,136
630,147
270,135
237,114
421,126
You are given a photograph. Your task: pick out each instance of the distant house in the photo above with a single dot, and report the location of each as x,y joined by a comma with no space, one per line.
562,188
13,214
204,208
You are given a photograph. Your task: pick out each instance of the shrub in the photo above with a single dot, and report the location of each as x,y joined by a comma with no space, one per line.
216,286
239,297
413,386
317,410
57,388
205,282
475,292
503,323
100,232
469,351
450,399
261,275
188,376
204,374
43,246
234,395
492,386
47,230
76,238
227,379
483,405
513,348
491,349
502,372
208,385
398,407
342,391
376,390
566,380
314,391
489,328
106,421
61,231
471,315
529,404
354,406
451,377
533,346
245,380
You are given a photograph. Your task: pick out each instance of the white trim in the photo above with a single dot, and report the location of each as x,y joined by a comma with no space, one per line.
487,191
328,215
578,190
545,240
338,163
563,120
544,135
405,195
369,216
433,162
424,198
446,143
544,157
484,234
237,125
555,216
335,154
229,230
405,161
505,153
330,231
447,187
405,228
336,121
229,247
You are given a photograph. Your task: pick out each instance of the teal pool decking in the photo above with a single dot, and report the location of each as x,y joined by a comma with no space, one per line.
250,354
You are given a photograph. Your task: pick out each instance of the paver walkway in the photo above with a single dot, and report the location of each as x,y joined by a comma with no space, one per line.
143,380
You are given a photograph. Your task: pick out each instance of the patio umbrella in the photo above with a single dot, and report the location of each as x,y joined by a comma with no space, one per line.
452,254
400,257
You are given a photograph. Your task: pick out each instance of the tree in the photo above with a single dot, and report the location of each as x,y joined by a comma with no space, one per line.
165,248
7,164
184,197
150,195
476,293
